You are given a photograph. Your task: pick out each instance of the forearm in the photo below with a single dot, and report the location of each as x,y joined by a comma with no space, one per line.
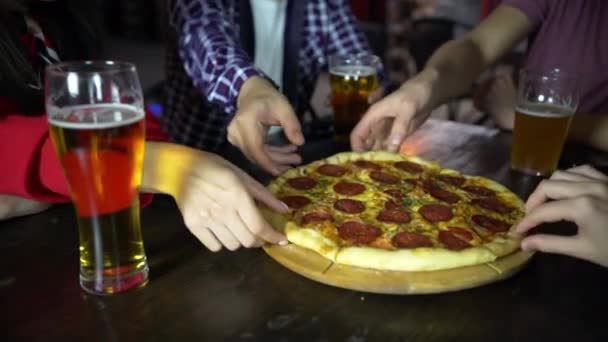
164,167
590,130
210,50
457,64
452,70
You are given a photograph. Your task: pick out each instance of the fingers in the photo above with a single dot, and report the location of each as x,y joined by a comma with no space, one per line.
225,235
239,229
589,171
362,130
289,148
283,158
248,212
399,129
261,194
558,189
566,209
194,222
290,123
248,136
571,245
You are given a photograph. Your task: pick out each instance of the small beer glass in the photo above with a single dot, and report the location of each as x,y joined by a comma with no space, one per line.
352,79
546,102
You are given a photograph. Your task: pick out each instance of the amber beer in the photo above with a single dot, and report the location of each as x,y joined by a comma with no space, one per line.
538,137
351,81
546,101
101,148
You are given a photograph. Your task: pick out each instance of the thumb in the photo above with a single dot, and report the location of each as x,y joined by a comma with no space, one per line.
291,125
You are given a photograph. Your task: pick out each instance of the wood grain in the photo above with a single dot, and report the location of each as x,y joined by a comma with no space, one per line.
313,266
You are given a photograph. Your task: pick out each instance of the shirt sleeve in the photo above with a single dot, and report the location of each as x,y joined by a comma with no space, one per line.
345,38
535,10
30,167
210,50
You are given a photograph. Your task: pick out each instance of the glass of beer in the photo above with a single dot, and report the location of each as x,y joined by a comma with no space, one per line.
546,102
96,118
352,79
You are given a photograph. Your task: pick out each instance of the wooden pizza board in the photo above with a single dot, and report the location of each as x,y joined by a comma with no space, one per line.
313,266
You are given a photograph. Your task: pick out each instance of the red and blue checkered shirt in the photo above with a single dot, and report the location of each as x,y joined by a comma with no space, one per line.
209,62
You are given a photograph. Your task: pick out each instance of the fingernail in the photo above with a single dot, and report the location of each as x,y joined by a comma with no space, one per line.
285,206
396,139
283,243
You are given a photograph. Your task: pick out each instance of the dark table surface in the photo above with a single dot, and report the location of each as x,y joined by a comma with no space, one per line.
197,295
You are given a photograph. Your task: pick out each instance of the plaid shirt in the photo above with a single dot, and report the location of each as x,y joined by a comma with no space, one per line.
207,64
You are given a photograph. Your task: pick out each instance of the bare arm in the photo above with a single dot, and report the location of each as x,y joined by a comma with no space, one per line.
590,130
457,64
450,72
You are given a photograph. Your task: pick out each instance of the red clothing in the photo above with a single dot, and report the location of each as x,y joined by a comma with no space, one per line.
487,6
28,164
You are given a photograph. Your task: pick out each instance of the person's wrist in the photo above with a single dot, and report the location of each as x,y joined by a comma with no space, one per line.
166,166
254,87
418,91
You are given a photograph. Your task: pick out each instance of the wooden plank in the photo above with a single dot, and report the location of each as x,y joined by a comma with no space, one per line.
313,266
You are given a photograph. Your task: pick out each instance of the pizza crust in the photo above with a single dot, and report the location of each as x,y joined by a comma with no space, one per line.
418,259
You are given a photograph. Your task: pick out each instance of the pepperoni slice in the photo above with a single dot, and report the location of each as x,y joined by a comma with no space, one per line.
451,241
391,204
409,167
364,164
295,202
394,193
358,232
441,194
349,206
436,212
394,216
493,204
479,190
411,181
384,177
444,195
452,180
302,183
316,217
490,223
332,170
461,233
348,188
411,240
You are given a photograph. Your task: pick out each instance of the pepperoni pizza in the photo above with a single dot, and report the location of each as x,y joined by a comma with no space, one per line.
393,212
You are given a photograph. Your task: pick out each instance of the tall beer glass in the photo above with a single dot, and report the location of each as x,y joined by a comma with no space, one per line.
546,102
352,79
96,117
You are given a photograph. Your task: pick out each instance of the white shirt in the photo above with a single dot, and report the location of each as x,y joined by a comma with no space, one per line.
269,27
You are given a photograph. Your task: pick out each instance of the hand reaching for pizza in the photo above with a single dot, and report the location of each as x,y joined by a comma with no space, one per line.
216,199
388,122
259,107
579,195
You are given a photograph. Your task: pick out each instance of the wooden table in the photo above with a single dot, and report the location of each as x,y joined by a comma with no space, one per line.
195,295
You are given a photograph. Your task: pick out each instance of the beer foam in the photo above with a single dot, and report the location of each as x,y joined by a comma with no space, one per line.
95,116
353,70
545,111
